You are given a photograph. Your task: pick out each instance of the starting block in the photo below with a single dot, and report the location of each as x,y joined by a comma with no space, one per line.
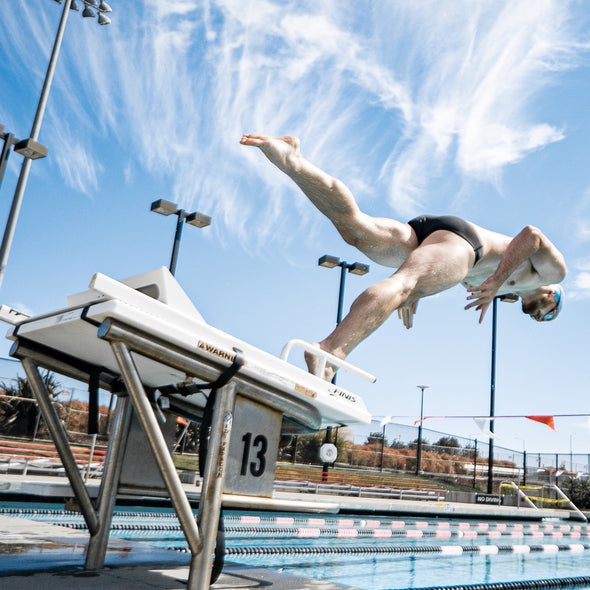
143,340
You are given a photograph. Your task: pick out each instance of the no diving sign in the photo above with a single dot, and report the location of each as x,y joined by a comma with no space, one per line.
488,499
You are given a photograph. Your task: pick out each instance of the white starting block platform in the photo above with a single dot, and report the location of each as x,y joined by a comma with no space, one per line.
144,340
162,311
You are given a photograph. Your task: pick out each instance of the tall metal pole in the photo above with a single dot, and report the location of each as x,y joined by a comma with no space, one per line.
382,447
166,208
475,464
180,222
492,397
8,141
328,437
419,448
26,165
355,268
343,269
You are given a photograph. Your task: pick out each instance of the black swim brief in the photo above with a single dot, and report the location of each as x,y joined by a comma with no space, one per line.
424,225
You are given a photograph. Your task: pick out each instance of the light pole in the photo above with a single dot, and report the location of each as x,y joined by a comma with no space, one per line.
523,459
195,219
30,148
509,298
419,447
356,268
475,464
9,140
384,423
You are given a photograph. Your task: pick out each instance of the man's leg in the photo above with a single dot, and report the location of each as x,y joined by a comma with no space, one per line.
386,241
439,263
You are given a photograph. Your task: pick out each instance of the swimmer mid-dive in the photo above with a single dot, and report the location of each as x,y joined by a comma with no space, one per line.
431,254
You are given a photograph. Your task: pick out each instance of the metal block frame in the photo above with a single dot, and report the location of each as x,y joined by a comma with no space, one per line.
125,342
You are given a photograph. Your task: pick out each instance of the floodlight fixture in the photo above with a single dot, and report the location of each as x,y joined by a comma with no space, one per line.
198,219
509,297
164,207
358,269
29,148
328,261
92,7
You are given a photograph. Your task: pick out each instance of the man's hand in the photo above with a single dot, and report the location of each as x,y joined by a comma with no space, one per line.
482,296
406,313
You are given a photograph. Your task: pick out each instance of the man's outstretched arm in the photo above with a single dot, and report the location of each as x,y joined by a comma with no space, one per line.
546,261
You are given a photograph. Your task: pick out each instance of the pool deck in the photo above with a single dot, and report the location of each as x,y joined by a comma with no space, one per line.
35,554
49,557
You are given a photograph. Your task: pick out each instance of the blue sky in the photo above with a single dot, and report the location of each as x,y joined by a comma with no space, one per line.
478,109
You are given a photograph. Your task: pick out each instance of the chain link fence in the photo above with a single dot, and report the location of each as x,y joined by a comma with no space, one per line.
461,459
444,453
395,448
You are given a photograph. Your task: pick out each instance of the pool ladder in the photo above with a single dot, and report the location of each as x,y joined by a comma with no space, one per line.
522,496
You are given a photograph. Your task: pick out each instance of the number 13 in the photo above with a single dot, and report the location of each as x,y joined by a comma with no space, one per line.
256,467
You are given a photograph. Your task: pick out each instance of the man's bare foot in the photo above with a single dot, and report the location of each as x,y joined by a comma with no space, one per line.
313,361
283,152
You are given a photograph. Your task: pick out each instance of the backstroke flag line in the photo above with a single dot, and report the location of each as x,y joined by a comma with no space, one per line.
480,421
481,424
548,420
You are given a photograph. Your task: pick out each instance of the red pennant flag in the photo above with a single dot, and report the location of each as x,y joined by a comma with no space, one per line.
547,420
416,422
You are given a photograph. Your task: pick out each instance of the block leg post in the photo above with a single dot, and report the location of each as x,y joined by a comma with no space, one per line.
151,428
60,439
213,481
107,495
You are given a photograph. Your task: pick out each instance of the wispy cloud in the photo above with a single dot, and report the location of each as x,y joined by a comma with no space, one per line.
579,284
388,96
475,70
579,287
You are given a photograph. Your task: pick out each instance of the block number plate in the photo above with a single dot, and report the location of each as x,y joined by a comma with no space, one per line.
253,449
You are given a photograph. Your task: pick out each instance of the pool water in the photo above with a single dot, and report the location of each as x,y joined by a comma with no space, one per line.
369,553
428,570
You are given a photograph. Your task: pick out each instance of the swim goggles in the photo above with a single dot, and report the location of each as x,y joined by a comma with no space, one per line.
558,292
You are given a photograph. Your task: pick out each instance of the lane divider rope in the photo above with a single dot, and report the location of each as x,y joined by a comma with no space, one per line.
452,550
571,582
340,523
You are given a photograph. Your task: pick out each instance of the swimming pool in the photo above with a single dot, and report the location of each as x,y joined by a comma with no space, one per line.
371,553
